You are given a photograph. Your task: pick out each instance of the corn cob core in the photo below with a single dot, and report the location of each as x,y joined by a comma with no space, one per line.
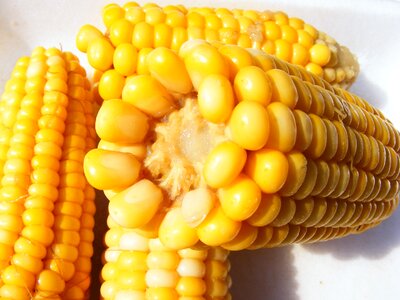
241,151
47,125
151,26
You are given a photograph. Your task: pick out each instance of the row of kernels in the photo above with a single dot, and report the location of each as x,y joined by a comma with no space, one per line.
216,277
191,270
331,220
63,254
125,271
39,230
15,170
78,284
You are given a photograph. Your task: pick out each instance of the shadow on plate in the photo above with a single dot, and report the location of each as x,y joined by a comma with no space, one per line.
277,281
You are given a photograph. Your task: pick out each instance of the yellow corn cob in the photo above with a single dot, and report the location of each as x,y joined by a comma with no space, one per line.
138,266
42,180
132,28
241,156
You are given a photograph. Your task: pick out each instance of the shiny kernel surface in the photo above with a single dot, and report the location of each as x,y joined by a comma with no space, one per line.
240,199
119,121
215,98
268,168
249,125
223,164
252,84
110,169
136,205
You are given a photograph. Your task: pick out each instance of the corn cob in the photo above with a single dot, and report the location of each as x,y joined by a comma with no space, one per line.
42,180
230,173
151,26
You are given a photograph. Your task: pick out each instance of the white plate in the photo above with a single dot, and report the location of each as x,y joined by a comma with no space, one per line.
364,267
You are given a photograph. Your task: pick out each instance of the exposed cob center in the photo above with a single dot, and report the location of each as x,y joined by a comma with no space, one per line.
176,158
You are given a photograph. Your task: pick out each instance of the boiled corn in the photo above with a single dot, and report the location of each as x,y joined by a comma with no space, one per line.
132,27
47,210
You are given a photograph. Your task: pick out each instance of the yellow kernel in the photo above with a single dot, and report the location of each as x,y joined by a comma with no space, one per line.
217,228
267,211
272,30
100,54
111,85
283,88
191,286
162,35
246,236
237,58
50,281
223,164
136,205
215,98
125,59
300,55
268,168
163,260
196,205
148,95
252,84
175,233
283,130
110,169
161,278
161,293
203,60
135,14
160,62
315,69
283,49
240,199
320,54
249,125
119,121
296,175
111,13
319,137
143,35
141,61
120,32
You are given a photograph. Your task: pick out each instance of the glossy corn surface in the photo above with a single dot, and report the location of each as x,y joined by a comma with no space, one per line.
131,28
47,126
300,163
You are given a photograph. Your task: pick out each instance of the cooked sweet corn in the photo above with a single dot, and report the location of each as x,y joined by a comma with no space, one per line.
288,38
293,167
46,203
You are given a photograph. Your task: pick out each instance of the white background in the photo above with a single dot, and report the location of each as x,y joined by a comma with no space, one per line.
364,267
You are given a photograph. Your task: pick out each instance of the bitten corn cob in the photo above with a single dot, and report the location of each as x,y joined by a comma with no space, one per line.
46,214
241,151
133,29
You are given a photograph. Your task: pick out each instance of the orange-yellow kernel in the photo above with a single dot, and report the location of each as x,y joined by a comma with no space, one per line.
249,125
125,59
111,85
100,54
148,95
217,228
120,122
240,199
136,205
160,62
215,98
268,168
283,88
203,60
110,169
252,84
